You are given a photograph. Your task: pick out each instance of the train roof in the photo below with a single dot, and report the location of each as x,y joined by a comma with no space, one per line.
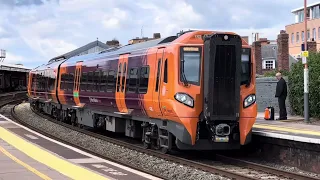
79,50
13,67
124,49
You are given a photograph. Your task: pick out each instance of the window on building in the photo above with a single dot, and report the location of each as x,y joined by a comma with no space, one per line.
308,35
268,64
319,32
297,38
314,34
302,36
292,38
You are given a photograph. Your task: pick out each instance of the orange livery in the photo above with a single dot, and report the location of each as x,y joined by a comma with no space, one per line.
195,90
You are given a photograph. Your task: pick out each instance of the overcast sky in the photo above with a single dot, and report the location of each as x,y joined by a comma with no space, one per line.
33,31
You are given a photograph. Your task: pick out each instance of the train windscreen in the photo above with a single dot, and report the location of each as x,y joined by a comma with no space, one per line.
245,66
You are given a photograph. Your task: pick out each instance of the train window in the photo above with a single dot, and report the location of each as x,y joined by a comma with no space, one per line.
83,81
165,73
96,81
190,65
158,75
245,66
63,81
119,75
132,81
104,78
90,81
144,80
124,76
111,81
71,81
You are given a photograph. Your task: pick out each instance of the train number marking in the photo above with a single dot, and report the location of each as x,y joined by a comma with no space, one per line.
109,170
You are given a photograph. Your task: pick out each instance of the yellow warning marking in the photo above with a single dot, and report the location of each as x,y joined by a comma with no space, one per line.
63,166
297,131
43,176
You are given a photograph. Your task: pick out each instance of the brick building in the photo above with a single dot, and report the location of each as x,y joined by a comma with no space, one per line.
273,55
296,30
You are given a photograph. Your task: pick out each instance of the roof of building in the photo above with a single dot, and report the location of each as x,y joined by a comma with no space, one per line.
269,51
81,49
308,5
13,67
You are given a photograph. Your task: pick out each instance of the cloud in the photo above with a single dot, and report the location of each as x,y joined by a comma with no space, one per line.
12,58
34,31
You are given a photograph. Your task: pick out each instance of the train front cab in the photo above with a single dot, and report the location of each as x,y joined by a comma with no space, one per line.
224,99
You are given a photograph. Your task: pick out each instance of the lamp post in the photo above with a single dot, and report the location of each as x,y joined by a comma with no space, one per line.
2,55
306,71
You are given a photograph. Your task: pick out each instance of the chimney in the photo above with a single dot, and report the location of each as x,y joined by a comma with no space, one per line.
156,35
283,50
257,54
113,43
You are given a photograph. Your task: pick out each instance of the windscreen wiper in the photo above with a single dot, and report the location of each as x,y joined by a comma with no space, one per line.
184,79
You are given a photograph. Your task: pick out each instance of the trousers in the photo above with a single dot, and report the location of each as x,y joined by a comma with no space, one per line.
282,107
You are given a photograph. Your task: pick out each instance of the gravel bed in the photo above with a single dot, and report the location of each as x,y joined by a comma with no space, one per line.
160,166
281,167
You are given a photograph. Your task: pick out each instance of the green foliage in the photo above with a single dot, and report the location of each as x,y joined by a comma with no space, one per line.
274,72
296,84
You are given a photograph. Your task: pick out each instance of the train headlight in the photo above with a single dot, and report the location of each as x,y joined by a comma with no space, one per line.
249,100
185,99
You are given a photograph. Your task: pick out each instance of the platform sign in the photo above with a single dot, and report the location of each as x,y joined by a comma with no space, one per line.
305,54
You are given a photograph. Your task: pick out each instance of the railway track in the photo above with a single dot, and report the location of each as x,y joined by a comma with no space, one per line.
227,166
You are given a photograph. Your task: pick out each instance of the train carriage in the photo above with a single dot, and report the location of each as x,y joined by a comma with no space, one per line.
195,91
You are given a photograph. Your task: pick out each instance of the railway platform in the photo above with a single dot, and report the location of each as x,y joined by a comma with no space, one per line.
25,154
292,129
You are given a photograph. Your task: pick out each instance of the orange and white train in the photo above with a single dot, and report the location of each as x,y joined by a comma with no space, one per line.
192,91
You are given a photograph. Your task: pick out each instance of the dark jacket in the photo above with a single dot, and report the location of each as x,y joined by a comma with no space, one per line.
281,90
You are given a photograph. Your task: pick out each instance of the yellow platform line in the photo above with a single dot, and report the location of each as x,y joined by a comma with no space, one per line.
64,167
43,176
297,131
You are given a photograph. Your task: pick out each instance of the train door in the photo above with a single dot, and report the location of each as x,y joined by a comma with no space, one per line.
157,89
121,83
76,84
164,88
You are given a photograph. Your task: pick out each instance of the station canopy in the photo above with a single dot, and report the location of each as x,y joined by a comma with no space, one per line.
13,67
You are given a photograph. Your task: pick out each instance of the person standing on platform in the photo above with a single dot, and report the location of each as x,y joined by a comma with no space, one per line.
281,94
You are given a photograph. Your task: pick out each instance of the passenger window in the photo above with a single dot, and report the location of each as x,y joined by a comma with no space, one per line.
83,82
111,86
158,75
119,75
90,81
71,81
143,80
165,73
132,81
96,81
63,81
104,78
124,76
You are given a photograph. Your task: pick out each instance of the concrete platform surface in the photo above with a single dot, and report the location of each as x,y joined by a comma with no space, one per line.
25,154
291,129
